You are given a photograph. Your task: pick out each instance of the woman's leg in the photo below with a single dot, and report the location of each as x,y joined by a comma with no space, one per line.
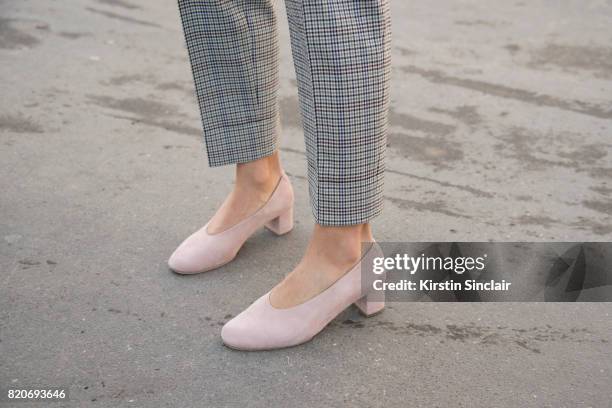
341,55
341,51
233,50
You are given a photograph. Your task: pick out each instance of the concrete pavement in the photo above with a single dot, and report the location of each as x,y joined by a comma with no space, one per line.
500,130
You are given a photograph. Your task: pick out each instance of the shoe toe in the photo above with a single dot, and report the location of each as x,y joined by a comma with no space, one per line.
200,253
178,263
245,333
235,334
186,261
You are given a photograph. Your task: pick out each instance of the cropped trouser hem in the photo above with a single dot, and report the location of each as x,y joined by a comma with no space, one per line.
341,55
241,143
336,209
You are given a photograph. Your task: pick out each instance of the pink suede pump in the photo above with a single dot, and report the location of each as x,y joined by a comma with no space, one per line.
263,327
202,252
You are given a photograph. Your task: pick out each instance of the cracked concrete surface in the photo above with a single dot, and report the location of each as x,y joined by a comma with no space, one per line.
500,130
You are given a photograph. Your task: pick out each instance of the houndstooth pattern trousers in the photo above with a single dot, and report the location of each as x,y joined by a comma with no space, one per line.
341,53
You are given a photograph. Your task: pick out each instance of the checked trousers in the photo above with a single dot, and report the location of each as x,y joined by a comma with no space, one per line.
341,54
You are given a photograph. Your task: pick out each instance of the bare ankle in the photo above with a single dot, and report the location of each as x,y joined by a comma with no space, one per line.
341,245
260,175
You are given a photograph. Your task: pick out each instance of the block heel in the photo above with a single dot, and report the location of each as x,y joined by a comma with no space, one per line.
281,224
369,307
